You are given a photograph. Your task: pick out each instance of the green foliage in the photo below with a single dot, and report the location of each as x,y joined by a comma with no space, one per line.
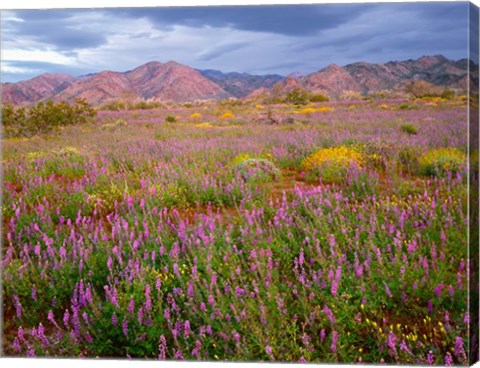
408,159
119,105
406,106
409,129
258,169
448,94
170,119
441,161
297,97
45,117
318,97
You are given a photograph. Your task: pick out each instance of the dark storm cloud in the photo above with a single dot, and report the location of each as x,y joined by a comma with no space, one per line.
268,39
55,28
219,50
401,30
290,20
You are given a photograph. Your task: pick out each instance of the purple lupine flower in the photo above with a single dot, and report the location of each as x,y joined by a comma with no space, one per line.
66,318
148,299
125,327
18,306
31,353
114,319
448,359
404,347
322,335
391,344
333,346
430,358
162,348
178,355
34,293
329,314
16,345
459,349
268,349
140,315
85,317
211,301
387,291
334,288
239,291
131,306
438,290
20,334
50,317
451,291
430,306
186,328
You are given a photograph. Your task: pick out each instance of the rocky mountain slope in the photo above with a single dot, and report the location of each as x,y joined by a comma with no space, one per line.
154,80
42,87
365,78
240,84
181,83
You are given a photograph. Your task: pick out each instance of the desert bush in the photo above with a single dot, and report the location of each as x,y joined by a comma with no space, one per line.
406,106
409,129
448,94
170,119
338,156
195,116
331,164
350,95
45,117
421,88
297,97
257,169
318,97
227,115
408,159
441,161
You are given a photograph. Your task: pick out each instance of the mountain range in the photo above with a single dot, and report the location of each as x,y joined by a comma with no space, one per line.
180,83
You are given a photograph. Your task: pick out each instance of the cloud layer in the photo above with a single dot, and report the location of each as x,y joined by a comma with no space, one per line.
253,39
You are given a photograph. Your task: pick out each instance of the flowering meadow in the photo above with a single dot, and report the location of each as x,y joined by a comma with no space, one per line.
205,233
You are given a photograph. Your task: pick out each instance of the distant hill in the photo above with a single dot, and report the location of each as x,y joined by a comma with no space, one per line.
42,87
154,80
181,83
240,84
365,78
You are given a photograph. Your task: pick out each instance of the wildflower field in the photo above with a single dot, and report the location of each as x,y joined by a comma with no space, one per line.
198,233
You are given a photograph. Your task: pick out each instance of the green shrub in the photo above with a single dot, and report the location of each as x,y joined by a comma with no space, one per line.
45,117
406,106
440,161
297,97
170,119
408,159
319,98
409,129
448,94
257,169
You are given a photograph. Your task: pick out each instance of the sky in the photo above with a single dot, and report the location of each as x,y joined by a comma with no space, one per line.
259,39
